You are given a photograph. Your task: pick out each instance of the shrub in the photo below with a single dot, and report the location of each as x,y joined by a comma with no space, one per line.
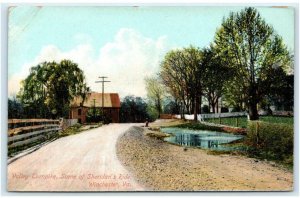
236,109
224,110
94,115
205,109
271,140
77,125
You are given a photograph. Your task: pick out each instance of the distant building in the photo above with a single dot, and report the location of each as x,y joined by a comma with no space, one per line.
111,106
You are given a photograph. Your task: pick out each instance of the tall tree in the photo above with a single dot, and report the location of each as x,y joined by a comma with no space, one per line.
251,47
280,90
182,72
216,75
51,86
155,92
15,108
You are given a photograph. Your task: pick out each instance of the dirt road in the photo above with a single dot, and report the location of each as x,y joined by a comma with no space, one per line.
82,162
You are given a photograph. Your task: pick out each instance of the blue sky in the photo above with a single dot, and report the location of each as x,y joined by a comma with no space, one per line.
124,43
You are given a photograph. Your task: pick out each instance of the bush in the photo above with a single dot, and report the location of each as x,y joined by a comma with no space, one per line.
224,110
94,115
236,109
270,140
205,109
77,125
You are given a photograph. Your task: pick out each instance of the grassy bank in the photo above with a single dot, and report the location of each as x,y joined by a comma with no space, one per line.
243,122
264,140
201,126
273,141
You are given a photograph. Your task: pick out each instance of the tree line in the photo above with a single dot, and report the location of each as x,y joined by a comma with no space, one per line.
246,65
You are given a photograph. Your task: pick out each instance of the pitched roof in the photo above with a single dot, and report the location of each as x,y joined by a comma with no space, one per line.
110,100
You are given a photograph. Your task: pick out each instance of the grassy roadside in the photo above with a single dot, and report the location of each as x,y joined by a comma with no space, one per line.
77,128
202,126
243,122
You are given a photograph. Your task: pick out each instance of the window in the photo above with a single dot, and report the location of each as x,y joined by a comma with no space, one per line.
79,111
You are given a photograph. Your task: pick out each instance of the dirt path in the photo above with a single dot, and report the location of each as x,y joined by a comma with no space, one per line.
83,162
164,167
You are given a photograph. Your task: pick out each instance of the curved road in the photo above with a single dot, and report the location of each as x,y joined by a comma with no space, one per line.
82,162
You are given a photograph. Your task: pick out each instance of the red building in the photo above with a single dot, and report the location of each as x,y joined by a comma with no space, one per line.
111,108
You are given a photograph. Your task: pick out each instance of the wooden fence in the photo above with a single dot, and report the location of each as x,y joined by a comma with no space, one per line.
23,132
166,116
202,117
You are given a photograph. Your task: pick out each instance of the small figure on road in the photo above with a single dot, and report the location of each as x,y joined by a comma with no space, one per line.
147,122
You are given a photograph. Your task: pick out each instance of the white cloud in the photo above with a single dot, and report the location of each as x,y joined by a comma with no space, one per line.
126,61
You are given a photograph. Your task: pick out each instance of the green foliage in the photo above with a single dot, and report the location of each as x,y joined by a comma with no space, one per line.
279,87
155,93
72,130
94,115
199,126
230,121
15,109
49,88
243,121
224,109
181,72
205,109
152,112
278,119
248,45
214,69
171,106
133,109
77,125
271,140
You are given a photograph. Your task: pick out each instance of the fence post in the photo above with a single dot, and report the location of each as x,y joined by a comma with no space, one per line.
257,132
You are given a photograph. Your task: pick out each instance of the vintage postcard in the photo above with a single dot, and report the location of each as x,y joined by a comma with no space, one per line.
150,98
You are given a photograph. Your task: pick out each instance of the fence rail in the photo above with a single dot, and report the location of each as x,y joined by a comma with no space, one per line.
202,117
22,132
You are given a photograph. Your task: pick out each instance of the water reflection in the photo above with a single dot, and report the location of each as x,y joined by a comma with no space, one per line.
199,138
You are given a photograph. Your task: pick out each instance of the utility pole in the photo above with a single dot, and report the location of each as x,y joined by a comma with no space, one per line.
102,81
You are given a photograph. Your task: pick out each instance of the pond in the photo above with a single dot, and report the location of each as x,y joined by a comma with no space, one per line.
201,138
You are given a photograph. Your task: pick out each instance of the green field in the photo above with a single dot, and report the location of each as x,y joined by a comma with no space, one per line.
242,121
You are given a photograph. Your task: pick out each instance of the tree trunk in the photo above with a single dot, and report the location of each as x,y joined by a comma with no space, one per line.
182,105
200,103
253,113
196,108
213,107
159,107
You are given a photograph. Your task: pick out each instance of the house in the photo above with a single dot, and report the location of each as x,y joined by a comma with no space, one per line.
111,107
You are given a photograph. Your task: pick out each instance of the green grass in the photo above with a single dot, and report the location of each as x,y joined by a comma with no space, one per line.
201,126
198,126
242,121
272,141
